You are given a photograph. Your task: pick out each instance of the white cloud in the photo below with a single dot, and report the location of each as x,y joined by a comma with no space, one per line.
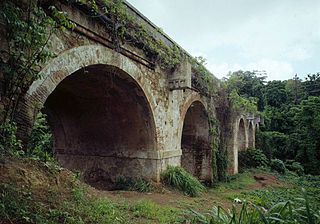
282,37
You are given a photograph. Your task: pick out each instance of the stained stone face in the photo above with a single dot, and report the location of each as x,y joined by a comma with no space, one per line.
116,112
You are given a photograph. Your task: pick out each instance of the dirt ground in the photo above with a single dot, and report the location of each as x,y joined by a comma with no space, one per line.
204,202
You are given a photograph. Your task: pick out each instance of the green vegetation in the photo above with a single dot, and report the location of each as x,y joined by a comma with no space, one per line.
295,167
291,111
72,202
252,158
154,212
288,143
125,28
282,212
242,103
177,178
133,184
9,144
40,141
278,165
28,30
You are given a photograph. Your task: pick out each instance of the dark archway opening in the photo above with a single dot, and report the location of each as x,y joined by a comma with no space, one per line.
195,144
241,139
102,125
250,136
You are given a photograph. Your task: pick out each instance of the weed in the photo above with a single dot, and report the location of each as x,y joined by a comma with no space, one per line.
180,179
133,184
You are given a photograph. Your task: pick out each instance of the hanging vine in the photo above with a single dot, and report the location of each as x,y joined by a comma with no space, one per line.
27,30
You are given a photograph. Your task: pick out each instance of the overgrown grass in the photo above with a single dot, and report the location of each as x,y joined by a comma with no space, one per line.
236,182
177,178
266,197
21,205
133,184
288,212
157,213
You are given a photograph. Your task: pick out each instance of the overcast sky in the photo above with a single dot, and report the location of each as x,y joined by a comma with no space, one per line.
279,36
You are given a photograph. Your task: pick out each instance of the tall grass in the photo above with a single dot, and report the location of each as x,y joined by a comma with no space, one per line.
176,177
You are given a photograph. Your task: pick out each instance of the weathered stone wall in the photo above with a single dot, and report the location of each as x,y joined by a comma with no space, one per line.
115,113
79,125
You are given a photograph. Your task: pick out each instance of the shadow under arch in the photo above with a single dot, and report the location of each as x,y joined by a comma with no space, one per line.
241,136
101,123
239,145
79,91
250,135
195,142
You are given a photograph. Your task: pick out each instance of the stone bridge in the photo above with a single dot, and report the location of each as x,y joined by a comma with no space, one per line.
116,113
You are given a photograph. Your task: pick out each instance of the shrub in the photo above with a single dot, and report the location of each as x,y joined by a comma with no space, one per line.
176,177
295,167
133,184
273,144
252,158
8,139
40,142
278,165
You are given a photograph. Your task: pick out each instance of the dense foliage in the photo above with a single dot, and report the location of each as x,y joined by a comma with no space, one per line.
252,158
291,114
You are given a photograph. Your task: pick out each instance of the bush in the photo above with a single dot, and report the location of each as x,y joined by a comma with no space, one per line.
295,167
278,165
252,158
9,144
176,177
40,142
133,184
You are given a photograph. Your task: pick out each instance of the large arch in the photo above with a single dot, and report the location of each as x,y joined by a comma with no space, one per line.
101,114
195,142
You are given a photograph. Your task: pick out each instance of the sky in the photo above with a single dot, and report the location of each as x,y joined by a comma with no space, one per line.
281,37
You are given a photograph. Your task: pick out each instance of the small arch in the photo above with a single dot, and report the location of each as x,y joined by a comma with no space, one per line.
239,145
195,145
250,135
241,135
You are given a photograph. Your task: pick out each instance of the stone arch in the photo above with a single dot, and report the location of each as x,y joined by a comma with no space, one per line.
241,135
195,140
240,143
79,91
73,60
251,135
